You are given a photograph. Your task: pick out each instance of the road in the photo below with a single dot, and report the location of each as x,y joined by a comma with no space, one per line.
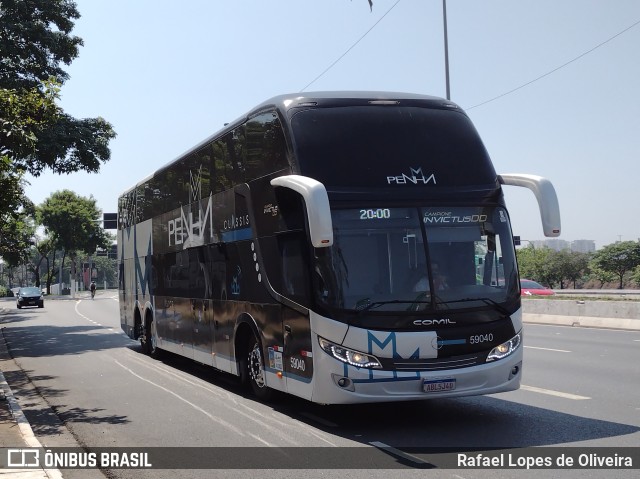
95,388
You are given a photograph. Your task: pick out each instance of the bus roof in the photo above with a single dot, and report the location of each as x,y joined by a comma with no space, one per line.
292,101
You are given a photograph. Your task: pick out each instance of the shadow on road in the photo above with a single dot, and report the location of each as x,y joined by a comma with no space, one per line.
51,340
483,422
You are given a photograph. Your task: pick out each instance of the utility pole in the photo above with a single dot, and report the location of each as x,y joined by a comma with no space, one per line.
446,48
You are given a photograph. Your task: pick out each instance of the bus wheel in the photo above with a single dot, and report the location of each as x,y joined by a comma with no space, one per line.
148,339
256,376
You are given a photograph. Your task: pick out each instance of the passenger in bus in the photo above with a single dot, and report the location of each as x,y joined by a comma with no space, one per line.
439,279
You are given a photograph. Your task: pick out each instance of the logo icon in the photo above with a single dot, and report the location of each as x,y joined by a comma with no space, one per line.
23,458
415,177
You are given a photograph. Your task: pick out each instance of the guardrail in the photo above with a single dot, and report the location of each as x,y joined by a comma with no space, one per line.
609,293
585,310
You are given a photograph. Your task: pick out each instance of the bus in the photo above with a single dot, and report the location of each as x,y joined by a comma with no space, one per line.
342,247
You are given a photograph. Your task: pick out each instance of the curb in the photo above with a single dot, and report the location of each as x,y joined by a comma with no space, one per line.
29,438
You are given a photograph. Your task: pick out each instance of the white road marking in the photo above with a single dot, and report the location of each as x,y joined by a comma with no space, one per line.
549,349
551,392
220,421
229,401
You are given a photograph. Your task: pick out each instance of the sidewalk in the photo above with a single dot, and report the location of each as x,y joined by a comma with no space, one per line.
15,430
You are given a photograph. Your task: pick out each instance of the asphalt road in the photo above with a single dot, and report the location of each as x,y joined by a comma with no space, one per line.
581,388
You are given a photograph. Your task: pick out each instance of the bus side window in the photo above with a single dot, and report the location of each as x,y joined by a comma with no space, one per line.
291,207
294,267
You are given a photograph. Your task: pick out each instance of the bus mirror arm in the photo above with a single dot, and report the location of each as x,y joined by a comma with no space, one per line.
317,204
545,193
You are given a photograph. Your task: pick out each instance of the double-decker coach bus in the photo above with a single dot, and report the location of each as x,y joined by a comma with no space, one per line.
341,247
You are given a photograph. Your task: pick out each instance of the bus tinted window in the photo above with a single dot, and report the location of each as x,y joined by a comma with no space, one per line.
265,146
388,145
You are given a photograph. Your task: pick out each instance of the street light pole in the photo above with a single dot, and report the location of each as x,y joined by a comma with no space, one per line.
446,48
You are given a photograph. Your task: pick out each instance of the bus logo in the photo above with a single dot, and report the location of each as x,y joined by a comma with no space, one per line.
235,282
433,322
416,176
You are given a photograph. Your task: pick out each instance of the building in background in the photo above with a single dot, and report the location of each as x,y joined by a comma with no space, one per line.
583,246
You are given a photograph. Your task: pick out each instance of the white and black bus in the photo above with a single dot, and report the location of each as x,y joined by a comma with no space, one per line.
341,247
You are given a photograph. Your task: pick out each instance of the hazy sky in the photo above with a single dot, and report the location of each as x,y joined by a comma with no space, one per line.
168,74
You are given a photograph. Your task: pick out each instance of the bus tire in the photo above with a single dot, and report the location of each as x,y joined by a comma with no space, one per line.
256,371
147,340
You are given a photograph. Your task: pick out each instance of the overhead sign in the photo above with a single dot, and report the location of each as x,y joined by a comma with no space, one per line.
110,221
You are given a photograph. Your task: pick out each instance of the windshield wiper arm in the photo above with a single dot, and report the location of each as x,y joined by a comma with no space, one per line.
377,304
487,301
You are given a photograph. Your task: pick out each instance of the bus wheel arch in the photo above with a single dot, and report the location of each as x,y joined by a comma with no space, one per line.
250,357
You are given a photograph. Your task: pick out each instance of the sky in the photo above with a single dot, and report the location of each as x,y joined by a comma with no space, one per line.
169,74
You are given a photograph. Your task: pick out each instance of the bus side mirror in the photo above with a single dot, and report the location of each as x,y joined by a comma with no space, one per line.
317,203
545,193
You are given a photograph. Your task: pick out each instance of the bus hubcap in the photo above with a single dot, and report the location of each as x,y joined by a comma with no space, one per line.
256,370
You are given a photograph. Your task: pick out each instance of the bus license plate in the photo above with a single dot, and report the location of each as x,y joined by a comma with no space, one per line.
438,385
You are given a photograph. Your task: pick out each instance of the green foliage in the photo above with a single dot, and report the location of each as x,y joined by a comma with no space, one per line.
617,259
550,267
533,264
107,270
16,224
73,222
35,38
635,275
35,133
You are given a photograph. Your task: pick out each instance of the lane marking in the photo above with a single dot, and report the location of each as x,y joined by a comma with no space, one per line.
551,392
230,402
220,421
549,349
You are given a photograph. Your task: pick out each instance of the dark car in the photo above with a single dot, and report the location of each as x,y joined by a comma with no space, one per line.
30,296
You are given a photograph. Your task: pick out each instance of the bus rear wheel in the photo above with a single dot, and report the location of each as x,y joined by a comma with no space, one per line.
256,371
148,339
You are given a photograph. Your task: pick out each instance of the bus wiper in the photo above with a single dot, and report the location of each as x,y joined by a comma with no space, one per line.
366,305
487,301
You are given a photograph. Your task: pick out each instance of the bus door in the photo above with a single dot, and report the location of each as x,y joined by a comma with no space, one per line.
298,362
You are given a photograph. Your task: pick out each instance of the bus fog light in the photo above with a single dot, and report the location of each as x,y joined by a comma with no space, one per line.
505,349
349,356
343,383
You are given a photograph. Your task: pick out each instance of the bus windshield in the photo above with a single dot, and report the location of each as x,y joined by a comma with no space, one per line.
418,259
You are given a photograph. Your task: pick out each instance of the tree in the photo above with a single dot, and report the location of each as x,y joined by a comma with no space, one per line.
578,266
35,39
16,234
73,223
601,276
635,275
567,265
107,269
534,264
21,115
617,259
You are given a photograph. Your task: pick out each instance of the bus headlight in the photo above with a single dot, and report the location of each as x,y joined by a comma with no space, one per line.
505,349
349,356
